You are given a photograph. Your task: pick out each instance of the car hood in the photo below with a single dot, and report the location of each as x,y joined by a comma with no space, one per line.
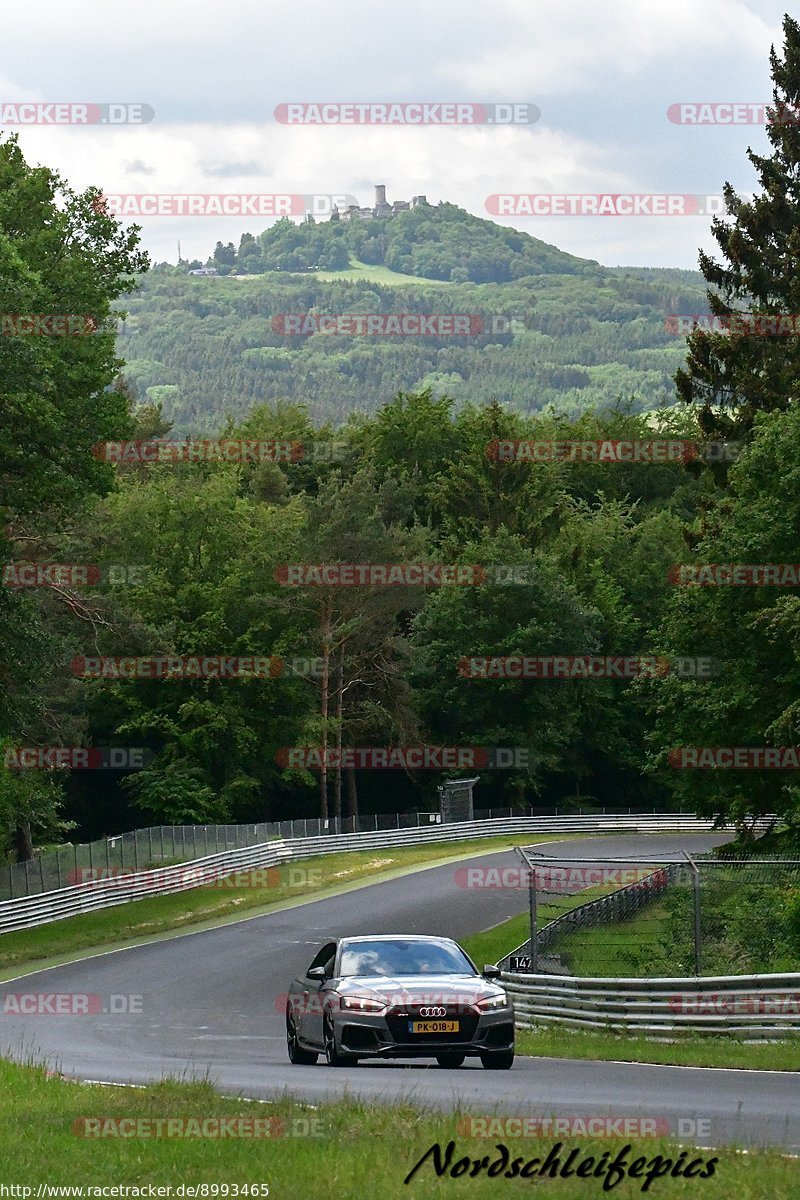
421,989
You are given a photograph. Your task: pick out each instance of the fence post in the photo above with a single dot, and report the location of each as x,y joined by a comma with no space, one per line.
135,851
58,865
697,926
150,840
162,842
534,923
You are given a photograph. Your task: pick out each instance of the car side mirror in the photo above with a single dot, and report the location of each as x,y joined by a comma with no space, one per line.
316,973
491,971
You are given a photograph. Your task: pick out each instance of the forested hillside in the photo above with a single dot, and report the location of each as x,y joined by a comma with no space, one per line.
209,348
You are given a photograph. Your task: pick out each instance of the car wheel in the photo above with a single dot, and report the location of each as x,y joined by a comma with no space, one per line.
500,1060
450,1060
332,1055
297,1055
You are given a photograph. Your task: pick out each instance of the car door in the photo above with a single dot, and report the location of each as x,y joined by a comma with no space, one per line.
309,1024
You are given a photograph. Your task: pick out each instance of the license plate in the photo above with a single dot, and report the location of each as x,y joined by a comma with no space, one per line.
434,1026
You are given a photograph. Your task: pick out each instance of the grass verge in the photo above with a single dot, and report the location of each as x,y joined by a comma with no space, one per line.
553,1041
354,1150
204,907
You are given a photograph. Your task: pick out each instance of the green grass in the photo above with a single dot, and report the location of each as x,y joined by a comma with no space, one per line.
203,907
620,948
561,1041
373,273
357,1151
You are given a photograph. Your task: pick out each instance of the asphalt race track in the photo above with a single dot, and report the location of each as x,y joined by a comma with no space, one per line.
210,1004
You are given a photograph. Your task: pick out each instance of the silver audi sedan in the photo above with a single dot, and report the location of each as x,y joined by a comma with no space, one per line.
398,996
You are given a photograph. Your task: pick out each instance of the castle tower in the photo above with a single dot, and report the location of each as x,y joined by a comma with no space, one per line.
380,194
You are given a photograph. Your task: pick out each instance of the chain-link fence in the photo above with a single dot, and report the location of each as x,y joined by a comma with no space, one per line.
160,845
666,916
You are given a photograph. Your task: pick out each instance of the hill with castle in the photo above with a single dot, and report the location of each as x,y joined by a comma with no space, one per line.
410,237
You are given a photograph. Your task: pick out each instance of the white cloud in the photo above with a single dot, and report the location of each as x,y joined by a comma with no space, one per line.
580,45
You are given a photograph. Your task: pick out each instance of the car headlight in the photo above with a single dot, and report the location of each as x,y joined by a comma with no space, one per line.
491,1003
364,1004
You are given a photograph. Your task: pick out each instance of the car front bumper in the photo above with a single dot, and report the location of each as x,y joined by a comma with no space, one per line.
388,1035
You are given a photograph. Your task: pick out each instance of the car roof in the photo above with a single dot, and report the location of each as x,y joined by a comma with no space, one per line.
396,937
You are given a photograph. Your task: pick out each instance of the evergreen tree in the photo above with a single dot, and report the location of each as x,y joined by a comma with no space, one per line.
734,374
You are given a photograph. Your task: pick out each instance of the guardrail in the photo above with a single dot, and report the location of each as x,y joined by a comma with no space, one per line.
749,1007
142,849
57,904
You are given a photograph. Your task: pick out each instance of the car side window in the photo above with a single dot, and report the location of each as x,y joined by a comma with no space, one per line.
324,958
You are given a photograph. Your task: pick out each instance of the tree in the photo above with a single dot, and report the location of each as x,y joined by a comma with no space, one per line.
732,376
753,632
61,256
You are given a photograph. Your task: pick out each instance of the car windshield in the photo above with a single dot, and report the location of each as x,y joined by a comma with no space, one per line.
404,958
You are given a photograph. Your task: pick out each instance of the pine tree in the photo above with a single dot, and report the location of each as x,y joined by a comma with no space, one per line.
731,376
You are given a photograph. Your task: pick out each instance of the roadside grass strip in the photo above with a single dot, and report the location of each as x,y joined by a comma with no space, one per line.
58,1133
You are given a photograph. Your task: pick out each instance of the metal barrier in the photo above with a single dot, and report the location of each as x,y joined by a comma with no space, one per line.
140,849
743,1006
56,904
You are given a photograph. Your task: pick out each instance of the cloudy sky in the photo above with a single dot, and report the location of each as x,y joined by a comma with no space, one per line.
603,76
